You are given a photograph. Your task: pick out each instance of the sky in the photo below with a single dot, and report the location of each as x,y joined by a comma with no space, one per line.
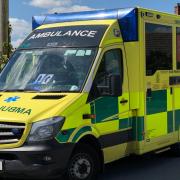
21,11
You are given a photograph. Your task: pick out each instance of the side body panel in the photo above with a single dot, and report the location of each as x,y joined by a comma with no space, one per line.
160,97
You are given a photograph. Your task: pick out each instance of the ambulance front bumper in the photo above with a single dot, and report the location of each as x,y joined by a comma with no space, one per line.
44,160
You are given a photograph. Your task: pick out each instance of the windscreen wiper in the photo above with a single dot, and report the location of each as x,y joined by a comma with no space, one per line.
52,91
58,91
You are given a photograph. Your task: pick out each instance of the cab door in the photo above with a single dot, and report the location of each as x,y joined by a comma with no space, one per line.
112,112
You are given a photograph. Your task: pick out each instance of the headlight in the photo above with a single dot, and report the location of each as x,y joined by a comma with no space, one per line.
46,129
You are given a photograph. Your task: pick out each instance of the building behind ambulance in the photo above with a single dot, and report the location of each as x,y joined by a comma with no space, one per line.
86,89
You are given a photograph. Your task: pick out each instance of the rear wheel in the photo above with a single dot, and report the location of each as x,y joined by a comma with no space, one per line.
175,149
84,164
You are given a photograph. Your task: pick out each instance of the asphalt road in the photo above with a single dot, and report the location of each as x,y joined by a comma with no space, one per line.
163,166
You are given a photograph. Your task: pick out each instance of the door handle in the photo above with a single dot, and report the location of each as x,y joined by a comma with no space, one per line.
124,101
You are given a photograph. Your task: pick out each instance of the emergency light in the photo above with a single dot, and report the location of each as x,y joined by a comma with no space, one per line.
127,19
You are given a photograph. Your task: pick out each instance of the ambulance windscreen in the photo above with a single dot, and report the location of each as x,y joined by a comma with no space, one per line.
67,36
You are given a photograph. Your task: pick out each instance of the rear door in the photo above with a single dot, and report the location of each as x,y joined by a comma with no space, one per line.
159,94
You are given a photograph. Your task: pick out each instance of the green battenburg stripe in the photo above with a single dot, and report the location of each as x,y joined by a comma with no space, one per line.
130,122
105,107
134,127
138,128
157,103
80,132
177,119
63,136
170,122
124,123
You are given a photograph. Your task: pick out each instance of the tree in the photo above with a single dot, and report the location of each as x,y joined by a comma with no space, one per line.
7,49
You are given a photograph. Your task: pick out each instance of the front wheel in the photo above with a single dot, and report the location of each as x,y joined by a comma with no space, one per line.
84,164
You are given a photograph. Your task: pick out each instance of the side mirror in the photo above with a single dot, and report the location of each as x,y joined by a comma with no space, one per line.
115,85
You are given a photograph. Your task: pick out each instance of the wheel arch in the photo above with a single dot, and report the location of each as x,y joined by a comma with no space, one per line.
90,139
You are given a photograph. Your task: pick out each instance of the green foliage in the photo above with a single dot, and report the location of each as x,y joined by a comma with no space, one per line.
3,60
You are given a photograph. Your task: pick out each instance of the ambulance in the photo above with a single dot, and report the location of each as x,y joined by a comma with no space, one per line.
86,89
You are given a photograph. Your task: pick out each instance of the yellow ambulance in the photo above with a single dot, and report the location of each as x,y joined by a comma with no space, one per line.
86,89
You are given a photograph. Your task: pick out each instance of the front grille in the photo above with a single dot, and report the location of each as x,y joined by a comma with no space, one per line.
11,132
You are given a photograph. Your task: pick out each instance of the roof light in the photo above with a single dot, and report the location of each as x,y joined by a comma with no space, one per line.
127,19
129,25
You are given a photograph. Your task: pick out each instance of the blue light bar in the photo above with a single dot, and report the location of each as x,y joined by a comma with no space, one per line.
38,21
127,19
129,25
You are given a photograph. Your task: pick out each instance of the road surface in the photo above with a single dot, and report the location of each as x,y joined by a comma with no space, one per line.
147,167
163,166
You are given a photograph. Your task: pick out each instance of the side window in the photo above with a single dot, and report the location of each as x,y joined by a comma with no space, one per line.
178,47
158,48
111,64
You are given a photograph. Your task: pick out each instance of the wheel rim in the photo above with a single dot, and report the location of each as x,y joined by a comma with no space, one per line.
80,167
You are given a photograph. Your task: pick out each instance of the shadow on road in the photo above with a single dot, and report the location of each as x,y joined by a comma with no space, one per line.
147,167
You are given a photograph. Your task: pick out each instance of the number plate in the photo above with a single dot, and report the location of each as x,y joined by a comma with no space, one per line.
1,165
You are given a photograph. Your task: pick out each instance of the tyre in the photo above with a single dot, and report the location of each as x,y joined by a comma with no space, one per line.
175,149
84,164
